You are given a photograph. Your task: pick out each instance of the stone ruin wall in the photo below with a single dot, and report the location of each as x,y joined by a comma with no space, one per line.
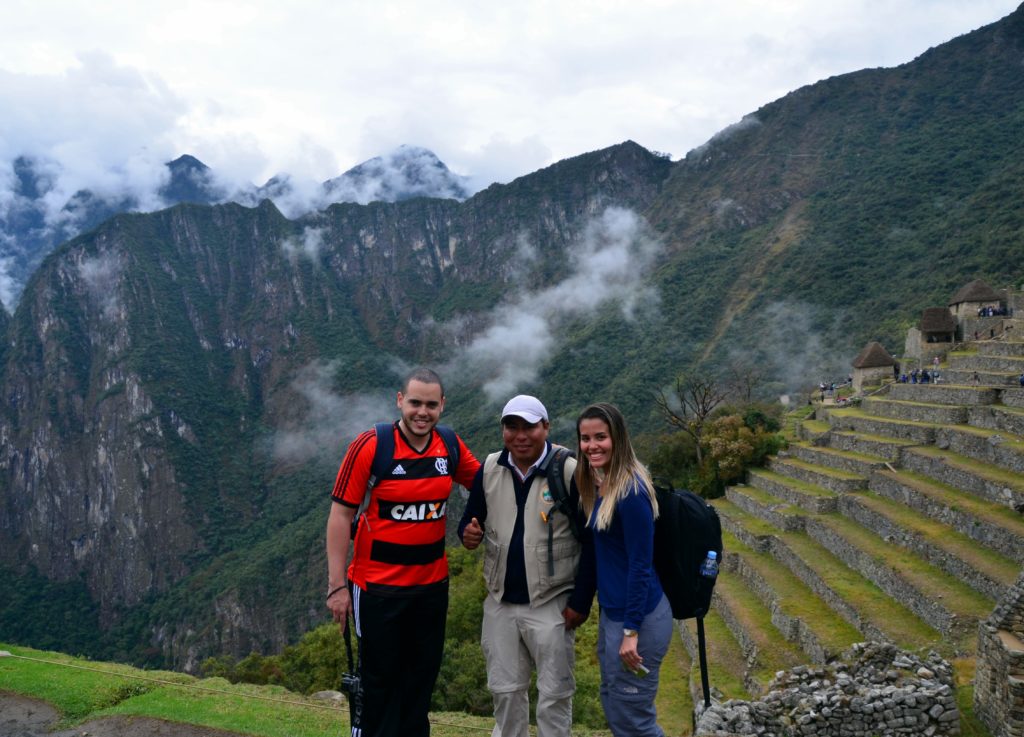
999,680
874,690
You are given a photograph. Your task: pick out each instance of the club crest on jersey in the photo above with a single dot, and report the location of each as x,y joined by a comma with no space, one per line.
414,512
441,464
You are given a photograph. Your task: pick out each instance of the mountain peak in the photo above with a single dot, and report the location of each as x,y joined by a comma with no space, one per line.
404,173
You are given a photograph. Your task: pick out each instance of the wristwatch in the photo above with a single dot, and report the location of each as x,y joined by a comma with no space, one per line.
629,633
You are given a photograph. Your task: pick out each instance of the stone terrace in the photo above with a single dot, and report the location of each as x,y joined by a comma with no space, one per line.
900,521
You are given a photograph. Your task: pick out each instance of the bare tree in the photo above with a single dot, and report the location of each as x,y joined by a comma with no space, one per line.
688,406
744,380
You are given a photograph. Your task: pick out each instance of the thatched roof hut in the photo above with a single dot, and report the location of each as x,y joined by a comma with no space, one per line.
975,291
937,320
873,355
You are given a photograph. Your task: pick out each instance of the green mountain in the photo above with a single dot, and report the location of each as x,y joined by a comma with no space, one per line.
179,386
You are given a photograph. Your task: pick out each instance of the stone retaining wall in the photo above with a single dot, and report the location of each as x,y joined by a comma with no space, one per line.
787,522
876,689
1013,396
903,431
985,378
964,479
988,363
942,394
989,449
838,484
854,508
859,466
1001,348
858,444
811,502
999,680
747,645
902,410
997,418
991,536
886,578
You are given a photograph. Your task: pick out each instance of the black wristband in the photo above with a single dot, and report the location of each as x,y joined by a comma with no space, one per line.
332,592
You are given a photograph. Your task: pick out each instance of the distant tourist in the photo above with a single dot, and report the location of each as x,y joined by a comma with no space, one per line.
1022,379
975,378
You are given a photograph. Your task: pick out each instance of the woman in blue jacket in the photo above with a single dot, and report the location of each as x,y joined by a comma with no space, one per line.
636,623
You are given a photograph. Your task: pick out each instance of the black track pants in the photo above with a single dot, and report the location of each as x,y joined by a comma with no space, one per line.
401,641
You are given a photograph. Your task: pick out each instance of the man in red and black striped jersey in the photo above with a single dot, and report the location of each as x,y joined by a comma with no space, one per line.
399,573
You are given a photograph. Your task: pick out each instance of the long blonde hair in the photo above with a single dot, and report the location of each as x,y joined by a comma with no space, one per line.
622,472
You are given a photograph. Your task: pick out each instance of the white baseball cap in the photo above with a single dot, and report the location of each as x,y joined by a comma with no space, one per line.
525,406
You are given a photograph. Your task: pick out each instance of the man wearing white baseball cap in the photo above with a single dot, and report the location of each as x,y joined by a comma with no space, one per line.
538,568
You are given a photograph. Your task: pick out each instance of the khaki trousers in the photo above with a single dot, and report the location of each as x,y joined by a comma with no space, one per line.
516,638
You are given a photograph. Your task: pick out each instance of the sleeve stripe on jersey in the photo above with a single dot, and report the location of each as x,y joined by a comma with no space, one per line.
345,472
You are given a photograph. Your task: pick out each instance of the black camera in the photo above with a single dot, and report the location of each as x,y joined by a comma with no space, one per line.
351,684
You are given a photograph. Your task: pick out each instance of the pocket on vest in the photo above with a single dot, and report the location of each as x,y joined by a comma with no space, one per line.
494,554
565,556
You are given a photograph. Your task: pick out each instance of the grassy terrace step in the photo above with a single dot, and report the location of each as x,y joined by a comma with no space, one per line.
860,464
727,666
765,649
766,506
976,477
841,482
985,571
991,524
797,613
860,421
855,599
876,445
915,411
946,603
811,430
807,496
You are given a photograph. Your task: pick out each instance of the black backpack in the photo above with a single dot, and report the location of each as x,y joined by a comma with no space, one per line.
383,460
687,528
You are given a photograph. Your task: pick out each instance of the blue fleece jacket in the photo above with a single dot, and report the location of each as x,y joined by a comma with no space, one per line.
628,589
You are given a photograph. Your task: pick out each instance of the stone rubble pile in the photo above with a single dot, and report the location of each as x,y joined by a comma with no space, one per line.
873,690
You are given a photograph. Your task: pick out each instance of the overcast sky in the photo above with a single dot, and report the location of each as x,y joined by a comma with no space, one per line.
497,90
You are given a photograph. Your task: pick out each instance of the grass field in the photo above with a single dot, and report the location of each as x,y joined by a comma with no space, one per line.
83,690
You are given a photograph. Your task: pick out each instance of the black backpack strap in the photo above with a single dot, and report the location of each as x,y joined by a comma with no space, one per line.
554,467
381,464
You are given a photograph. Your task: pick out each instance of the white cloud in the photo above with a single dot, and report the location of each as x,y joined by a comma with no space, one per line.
257,88
100,275
8,285
308,246
609,263
330,420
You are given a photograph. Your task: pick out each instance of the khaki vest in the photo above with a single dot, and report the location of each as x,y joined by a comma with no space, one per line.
500,495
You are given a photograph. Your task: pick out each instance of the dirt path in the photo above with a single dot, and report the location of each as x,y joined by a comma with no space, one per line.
24,717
